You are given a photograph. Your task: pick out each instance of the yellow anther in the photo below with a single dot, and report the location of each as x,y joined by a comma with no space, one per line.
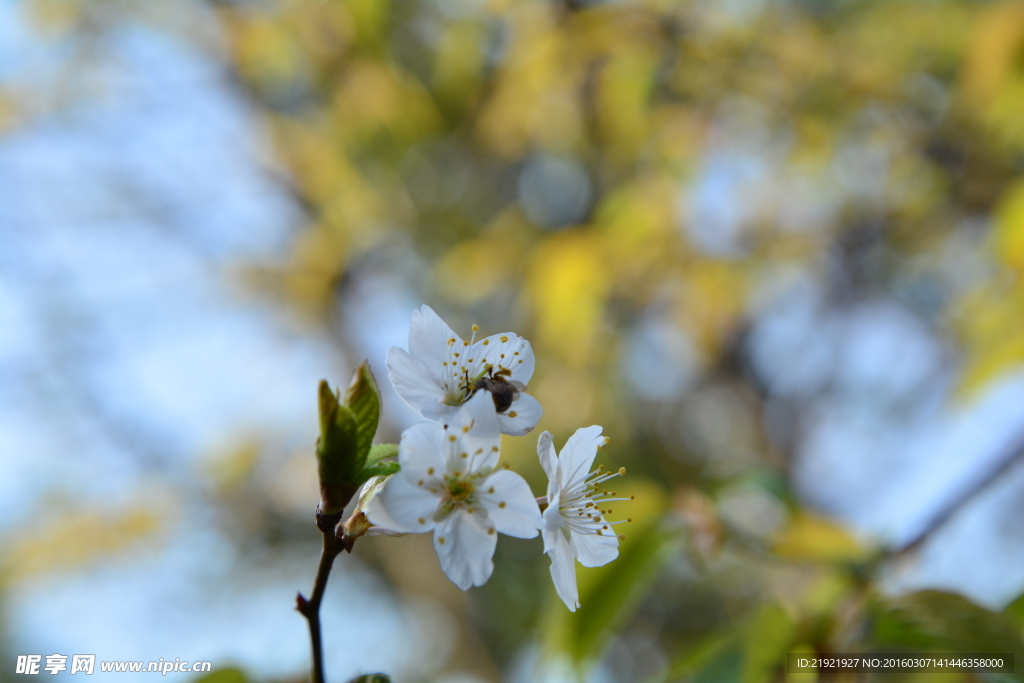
479,451
465,429
494,448
465,343
445,363
629,519
490,531
476,328
452,437
470,360
490,490
430,470
501,504
599,533
504,338
451,341
456,354
622,537
422,521
632,497
419,483
512,413
440,540
464,455
502,355
605,527
622,471
486,342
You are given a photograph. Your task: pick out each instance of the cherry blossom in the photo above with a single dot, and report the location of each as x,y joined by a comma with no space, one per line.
441,371
449,483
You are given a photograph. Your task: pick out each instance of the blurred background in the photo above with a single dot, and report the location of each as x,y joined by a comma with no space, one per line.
774,247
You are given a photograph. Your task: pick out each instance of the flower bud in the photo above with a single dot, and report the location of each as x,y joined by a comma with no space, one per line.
345,455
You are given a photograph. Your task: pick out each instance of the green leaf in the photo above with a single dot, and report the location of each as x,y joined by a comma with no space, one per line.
371,678
347,428
702,656
610,594
935,620
769,638
363,399
381,469
223,676
382,451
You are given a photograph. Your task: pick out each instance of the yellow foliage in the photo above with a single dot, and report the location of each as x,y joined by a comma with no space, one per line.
375,97
74,539
472,270
711,298
809,537
459,64
994,72
1008,232
990,322
567,283
638,233
533,101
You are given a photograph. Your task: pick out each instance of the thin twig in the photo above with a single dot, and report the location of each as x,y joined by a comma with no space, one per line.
1012,456
311,608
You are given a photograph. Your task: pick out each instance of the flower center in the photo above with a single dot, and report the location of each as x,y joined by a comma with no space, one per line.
460,491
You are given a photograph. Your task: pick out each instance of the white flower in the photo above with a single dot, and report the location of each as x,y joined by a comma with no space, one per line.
574,524
448,483
441,371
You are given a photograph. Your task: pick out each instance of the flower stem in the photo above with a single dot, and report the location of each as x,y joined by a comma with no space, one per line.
311,608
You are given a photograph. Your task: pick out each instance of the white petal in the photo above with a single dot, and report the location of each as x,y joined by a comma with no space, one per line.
475,427
439,412
464,543
412,381
527,412
577,456
548,461
401,506
563,568
421,449
520,515
514,354
428,340
553,519
592,550
522,369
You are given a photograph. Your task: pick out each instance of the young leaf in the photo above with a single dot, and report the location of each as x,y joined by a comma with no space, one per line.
363,399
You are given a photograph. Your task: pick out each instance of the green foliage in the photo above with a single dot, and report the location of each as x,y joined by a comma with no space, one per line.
231,675
371,678
345,456
935,620
769,637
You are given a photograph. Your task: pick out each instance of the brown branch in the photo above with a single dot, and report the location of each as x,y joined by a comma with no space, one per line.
1013,455
311,608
